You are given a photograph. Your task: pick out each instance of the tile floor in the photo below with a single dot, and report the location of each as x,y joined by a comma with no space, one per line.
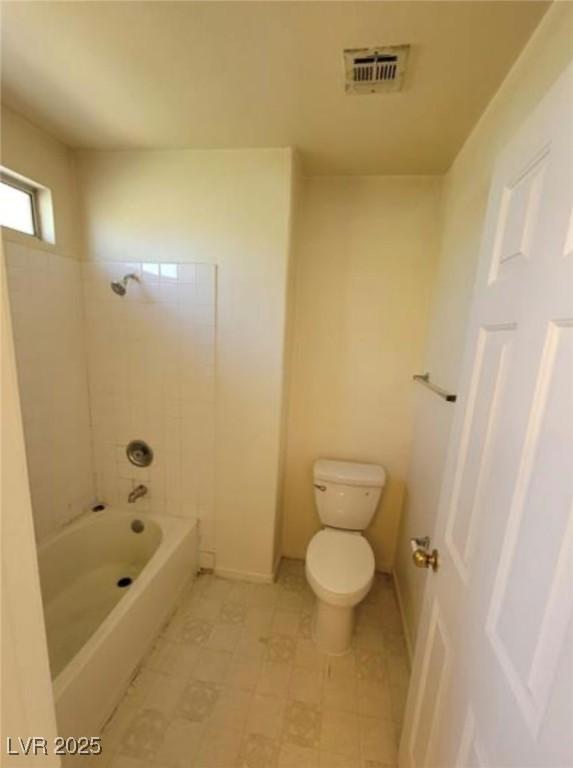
235,681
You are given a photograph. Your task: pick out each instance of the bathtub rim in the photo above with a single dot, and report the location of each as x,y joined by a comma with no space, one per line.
88,518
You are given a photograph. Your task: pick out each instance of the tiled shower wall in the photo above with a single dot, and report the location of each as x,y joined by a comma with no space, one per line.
151,357
97,370
47,317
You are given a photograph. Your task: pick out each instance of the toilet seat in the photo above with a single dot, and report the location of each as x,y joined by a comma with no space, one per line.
339,566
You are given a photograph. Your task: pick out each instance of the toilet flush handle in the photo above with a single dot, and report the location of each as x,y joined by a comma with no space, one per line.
320,487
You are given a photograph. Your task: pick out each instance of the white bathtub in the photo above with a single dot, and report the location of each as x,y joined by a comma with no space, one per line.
97,631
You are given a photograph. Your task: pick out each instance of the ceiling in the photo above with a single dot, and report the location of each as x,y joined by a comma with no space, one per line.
261,74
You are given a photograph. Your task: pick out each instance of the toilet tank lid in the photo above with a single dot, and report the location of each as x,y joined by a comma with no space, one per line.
349,473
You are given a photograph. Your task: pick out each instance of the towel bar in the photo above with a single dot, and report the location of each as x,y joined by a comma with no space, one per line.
424,378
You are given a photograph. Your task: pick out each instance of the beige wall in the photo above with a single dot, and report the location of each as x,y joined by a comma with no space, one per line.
31,152
48,322
465,197
365,258
297,186
47,315
27,701
230,208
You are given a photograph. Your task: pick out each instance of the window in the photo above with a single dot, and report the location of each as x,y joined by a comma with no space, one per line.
18,206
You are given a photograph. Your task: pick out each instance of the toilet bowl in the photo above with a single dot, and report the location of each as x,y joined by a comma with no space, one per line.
339,560
340,571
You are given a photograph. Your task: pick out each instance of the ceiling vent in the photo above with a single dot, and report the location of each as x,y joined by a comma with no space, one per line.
375,70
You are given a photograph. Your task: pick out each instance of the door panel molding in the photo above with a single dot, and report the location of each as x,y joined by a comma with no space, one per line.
518,214
433,675
470,753
531,687
490,378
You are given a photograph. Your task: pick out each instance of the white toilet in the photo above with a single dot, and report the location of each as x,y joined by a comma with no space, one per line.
339,560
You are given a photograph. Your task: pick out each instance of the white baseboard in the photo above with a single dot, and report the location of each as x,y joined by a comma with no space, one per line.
256,578
403,617
276,567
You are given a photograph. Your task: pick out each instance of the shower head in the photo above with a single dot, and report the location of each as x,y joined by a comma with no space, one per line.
120,286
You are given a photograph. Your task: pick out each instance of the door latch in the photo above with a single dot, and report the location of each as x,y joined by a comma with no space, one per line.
421,554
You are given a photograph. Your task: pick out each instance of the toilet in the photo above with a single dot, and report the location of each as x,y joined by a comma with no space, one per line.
339,561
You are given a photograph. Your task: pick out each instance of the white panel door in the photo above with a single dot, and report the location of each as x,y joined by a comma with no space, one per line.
493,669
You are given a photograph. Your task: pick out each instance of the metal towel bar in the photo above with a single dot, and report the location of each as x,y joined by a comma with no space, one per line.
424,378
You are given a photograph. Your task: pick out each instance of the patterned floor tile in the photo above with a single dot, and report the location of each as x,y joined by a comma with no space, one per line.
292,582
293,756
341,666
236,680
305,625
172,658
181,743
340,694
145,734
371,665
340,733
266,715
285,623
281,649
274,679
198,701
233,612
120,761
378,740
212,666
302,724
224,637
155,690
219,749
203,608
336,760
243,673
308,656
258,751
231,710
306,685
190,629
374,699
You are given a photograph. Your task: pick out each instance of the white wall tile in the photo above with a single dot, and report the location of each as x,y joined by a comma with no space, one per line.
46,304
150,360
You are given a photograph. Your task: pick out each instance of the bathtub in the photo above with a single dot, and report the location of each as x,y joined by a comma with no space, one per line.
107,590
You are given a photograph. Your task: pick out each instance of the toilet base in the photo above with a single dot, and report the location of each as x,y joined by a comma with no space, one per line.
332,628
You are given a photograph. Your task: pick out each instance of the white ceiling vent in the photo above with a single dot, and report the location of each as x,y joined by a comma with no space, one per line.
375,70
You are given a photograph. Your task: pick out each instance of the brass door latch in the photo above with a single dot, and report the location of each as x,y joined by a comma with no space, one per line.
421,554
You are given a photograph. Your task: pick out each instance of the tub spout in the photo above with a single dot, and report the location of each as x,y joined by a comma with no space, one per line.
137,493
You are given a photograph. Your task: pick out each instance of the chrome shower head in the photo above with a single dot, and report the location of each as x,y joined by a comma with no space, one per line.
120,286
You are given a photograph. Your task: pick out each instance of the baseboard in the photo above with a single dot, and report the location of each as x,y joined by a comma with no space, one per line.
256,578
207,560
403,617
276,567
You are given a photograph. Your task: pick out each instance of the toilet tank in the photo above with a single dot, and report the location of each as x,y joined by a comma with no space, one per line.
346,493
